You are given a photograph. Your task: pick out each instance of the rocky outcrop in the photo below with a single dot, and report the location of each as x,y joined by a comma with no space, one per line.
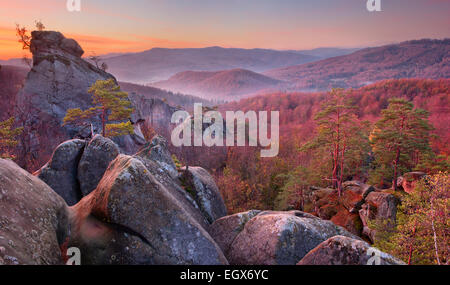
142,212
200,184
341,250
280,238
380,207
354,210
61,172
226,229
408,181
157,151
33,218
58,81
94,161
166,234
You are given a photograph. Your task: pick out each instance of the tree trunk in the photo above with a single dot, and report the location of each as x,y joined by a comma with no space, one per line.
397,158
103,123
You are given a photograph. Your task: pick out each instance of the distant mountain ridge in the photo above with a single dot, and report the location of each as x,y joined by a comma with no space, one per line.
219,84
412,59
161,63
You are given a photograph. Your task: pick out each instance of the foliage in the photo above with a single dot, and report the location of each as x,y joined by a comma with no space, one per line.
400,140
110,104
422,230
8,136
341,137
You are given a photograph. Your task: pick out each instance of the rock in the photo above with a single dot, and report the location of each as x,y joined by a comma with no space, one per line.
157,151
200,184
159,230
280,238
33,218
158,162
58,81
342,250
379,206
385,203
225,229
349,221
96,157
61,172
409,180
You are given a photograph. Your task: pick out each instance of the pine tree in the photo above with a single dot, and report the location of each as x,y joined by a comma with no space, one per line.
8,136
340,137
111,105
401,134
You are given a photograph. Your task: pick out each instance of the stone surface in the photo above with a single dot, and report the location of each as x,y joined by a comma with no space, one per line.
96,157
200,184
379,206
341,250
280,238
226,229
130,199
33,218
61,172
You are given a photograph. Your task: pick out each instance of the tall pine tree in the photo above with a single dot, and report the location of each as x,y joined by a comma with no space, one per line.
399,136
341,137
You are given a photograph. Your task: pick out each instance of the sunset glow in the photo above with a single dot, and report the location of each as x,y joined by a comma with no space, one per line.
110,26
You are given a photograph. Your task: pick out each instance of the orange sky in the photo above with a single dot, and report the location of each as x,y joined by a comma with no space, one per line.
105,26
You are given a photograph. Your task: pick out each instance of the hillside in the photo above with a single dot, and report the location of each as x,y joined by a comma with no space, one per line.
297,110
161,63
412,59
173,99
220,84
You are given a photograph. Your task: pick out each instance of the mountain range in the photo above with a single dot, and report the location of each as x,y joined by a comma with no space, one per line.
161,63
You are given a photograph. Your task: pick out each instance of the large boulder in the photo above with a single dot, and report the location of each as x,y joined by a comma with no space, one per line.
96,157
159,163
61,172
33,218
200,184
226,229
159,230
280,238
58,81
379,207
342,250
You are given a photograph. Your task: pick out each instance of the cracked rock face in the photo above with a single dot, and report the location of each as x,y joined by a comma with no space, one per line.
130,199
341,250
33,218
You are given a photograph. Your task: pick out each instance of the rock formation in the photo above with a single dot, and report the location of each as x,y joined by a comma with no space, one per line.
141,209
341,250
359,204
280,238
58,81
34,220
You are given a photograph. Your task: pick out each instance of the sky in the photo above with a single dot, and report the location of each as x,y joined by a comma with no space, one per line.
106,26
